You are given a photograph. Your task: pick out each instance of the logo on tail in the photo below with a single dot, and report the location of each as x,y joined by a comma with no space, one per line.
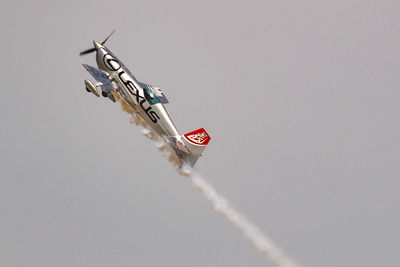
198,137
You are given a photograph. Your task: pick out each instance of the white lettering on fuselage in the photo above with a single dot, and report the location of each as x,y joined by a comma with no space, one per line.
113,65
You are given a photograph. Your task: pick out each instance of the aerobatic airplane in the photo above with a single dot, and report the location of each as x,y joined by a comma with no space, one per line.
112,76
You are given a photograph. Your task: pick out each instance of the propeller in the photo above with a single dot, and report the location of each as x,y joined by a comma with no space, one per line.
93,49
88,51
108,37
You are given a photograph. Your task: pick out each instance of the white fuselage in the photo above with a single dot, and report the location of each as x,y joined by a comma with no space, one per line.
153,113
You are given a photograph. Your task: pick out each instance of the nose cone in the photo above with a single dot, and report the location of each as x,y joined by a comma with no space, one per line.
97,45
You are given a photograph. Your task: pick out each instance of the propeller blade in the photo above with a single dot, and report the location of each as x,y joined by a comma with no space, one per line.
91,50
88,51
108,37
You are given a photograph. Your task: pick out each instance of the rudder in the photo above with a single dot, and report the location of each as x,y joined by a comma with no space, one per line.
196,141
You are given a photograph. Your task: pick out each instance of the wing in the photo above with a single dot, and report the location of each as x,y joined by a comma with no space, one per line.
157,91
102,77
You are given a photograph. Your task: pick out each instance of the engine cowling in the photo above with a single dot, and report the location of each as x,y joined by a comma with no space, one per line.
91,88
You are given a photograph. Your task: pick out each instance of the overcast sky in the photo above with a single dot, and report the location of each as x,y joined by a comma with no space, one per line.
301,100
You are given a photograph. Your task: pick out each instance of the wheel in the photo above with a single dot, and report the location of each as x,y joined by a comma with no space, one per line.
87,90
105,94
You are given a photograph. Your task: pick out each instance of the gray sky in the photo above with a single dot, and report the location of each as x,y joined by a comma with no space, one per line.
301,101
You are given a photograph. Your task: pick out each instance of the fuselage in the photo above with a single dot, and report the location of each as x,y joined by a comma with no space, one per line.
142,99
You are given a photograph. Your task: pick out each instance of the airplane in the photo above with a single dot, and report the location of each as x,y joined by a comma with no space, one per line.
113,77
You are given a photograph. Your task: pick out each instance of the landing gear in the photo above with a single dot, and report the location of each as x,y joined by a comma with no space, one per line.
91,88
105,94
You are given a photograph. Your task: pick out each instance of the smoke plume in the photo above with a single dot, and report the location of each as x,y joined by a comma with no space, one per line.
221,205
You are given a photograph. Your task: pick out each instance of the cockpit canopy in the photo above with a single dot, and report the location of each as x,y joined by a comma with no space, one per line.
153,94
150,96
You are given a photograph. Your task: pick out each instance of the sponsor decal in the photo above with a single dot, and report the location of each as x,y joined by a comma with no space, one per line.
113,65
198,137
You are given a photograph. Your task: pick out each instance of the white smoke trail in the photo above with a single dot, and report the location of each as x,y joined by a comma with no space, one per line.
252,232
221,204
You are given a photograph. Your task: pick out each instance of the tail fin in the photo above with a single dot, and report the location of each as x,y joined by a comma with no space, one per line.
195,142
